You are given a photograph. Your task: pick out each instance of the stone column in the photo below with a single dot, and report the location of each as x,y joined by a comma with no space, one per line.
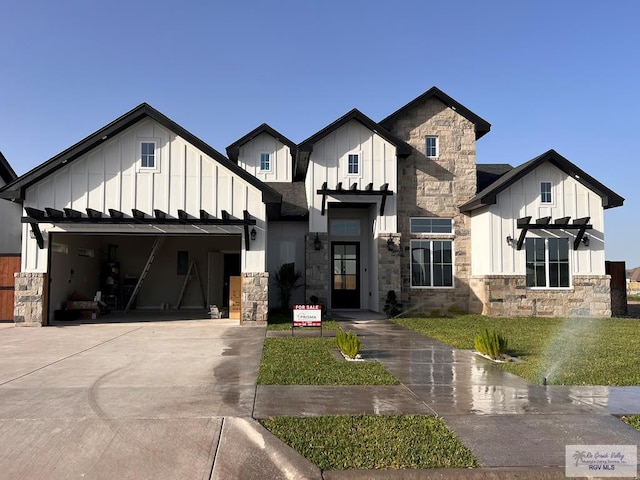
317,268
30,307
255,298
389,277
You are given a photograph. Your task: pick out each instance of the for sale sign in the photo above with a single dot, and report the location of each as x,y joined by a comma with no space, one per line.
307,316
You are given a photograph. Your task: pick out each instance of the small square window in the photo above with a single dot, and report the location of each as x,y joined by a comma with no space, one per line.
148,154
431,144
545,192
353,164
265,161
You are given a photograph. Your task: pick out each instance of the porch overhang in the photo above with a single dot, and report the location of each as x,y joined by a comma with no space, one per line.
353,190
544,223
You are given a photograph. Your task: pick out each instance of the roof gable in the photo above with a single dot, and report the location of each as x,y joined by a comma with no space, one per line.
6,172
16,189
488,195
482,126
233,150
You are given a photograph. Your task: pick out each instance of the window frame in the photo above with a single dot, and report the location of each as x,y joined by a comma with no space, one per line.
433,264
358,155
436,146
547,262
432,233
156,155
262,154
543,193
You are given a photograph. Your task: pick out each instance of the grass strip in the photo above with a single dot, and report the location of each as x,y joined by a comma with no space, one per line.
347,442
633,420
570,351
309,361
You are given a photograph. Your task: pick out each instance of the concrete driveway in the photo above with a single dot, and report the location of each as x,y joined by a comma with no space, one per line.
127,400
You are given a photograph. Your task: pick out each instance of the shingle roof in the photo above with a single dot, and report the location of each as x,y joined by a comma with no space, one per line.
488,195
6,172
234,149
487,173
294,200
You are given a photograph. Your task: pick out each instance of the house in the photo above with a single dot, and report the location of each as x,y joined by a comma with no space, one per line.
10,244
142,209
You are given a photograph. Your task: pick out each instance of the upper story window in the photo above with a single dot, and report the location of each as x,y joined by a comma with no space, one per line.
431,225
547,262
431,144
545,192
353,164
148,154
265,161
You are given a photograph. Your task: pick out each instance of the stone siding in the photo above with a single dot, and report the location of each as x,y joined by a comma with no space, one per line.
30,309
388,268
507,296
436,187
317,269
255,298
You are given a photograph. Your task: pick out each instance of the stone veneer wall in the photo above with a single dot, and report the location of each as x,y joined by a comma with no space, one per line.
388,268
30,309
436,188
255,298
507,296
317,268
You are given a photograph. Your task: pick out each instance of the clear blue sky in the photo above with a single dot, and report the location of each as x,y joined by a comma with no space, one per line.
545,74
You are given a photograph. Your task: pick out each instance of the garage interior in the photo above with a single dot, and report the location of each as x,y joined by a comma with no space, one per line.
188,274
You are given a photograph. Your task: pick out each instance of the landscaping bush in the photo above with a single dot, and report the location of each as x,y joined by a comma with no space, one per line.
391,306
348,343
491,343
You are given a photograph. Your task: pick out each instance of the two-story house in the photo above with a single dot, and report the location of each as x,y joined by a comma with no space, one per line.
361,208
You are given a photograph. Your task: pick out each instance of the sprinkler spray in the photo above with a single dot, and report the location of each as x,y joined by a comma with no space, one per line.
544,381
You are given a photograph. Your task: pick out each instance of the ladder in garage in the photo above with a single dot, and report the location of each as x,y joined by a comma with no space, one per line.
156,246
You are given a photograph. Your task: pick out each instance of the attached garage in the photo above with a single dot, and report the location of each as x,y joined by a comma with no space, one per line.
142,185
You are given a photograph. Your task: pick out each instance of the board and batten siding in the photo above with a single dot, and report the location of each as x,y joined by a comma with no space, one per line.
521,199
109,176
280,158
328,163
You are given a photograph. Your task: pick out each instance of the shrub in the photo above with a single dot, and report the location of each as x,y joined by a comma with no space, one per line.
348,343
391,306
287,279
491,344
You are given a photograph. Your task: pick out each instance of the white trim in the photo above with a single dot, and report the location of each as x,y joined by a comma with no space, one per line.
260,169
553,193
346,170
546,264
156,155
431,264
432,234
437,146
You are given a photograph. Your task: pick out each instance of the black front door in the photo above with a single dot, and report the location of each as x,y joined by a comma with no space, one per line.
345,280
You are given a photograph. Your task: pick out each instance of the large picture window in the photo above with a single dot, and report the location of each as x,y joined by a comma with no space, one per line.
547,262
431,263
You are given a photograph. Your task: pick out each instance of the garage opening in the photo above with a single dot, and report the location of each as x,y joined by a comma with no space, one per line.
93,277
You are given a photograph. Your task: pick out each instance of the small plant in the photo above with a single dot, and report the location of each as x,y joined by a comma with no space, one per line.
491,344
287,279
348,343
391,306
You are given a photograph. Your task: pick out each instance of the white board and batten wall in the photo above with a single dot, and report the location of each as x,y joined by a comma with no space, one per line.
280,167
110,176
490,226
378,165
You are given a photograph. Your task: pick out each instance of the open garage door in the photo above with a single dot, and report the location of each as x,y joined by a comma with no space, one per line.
187,271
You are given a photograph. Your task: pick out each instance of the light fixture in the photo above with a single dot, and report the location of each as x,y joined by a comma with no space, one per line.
390,245
253,233
317,244
509,240
585,240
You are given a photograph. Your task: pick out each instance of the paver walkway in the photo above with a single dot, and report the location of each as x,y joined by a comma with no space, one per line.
505,420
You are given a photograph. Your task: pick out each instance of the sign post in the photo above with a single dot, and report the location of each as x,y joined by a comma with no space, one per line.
307,316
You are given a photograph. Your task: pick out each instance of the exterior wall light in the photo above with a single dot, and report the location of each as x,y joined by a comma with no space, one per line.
317,244
585,240
390,245
509,240
253,233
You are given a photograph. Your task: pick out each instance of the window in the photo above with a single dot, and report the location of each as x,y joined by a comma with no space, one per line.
547,262
431,263
431,225
545,192
345,228
431,146
148,154
353,164
265,161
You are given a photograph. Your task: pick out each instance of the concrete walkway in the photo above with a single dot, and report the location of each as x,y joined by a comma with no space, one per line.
511,425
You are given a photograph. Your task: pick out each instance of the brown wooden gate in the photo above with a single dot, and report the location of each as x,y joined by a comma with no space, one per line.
9,264
618,273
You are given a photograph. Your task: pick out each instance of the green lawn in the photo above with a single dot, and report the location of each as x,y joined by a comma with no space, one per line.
633,420
576,351
308,361
372,442
281,322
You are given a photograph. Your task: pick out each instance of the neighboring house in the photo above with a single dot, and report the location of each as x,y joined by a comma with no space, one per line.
360,207
10,241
